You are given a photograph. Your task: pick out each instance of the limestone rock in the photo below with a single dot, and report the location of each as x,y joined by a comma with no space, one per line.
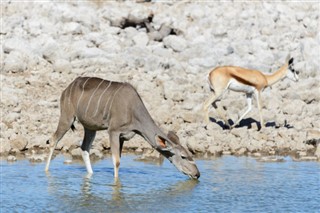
19,143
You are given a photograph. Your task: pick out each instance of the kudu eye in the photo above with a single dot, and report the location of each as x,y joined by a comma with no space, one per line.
183,157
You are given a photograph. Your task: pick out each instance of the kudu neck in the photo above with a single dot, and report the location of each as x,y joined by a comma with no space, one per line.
147,128
277,75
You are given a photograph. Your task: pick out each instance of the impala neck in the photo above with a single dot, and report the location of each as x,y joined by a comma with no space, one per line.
277,75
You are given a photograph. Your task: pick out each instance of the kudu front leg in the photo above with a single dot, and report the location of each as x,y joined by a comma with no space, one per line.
89,136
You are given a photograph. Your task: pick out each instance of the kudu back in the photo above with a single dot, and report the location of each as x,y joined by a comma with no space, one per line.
100,104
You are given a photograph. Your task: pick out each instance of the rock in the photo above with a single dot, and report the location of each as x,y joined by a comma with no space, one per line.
317,152
176,43
72,28
11,158
159,35
271,159
308,158
50,49
16,44
190,117
196,146
12,117
96,153
141,39
4,148
215,150
37,158
67,161
294,107
150,155
15,62
62,66
76,153
241,151
19,143
226,152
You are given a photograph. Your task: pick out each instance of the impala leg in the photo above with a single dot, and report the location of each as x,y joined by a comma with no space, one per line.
89,136
249,104
116,147
221,114
258,95
206,105
212,100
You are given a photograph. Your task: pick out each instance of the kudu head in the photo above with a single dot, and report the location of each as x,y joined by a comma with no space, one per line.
292,74
180,157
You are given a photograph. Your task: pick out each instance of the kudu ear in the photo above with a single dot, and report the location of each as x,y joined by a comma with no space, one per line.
164,144
173,137
161,142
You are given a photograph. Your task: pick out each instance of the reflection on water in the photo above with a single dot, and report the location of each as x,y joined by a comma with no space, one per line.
226,184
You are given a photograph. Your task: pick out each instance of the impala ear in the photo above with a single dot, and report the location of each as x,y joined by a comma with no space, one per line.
173,137
290,61
288,57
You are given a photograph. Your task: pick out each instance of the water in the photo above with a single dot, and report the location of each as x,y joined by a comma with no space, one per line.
227,184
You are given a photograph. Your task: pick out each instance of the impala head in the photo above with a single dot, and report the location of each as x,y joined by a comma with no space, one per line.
292,73
180,157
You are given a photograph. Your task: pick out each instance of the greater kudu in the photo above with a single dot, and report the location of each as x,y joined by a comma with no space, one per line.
100,104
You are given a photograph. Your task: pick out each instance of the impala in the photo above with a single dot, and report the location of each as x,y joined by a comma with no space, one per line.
100,104
250,82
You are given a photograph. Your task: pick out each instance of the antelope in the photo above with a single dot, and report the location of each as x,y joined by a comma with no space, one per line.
238,79
117,107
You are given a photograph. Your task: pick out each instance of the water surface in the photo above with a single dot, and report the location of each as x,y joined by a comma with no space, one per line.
227,184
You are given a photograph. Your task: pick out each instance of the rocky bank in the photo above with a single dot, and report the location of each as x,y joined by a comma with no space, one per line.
164,49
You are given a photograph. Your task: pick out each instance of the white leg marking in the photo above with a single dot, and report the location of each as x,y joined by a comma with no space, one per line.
85,114
86,159
115,166
49,159
81,93
98,104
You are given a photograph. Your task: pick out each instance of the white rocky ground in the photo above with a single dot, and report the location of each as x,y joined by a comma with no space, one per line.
45,45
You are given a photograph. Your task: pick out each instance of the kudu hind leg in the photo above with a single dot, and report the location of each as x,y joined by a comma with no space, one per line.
89,136
63,126
116,143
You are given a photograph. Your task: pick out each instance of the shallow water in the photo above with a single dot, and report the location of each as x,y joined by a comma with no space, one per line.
227,184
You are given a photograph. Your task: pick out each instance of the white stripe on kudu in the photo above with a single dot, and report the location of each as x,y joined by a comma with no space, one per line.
89,102
84,84
98,104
